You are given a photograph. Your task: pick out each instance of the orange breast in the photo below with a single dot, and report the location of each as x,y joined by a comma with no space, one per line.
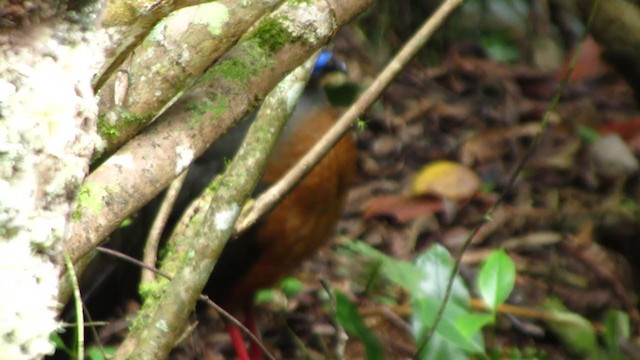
295,228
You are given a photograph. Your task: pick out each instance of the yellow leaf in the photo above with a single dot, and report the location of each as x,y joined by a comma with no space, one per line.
446,179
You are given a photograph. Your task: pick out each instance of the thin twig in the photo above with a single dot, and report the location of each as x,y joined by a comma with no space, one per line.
267,200
341,335
150,255
510,185
237,323
204,298
92,325
479,304
71,272
132,260
297,341
89,323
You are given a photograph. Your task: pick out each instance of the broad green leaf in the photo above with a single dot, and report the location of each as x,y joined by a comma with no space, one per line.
347,315
402,273
573,330
496,279
436,265
427,283
470,324
424,312
440,348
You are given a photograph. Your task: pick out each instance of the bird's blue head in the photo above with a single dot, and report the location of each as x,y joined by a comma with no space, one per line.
326,62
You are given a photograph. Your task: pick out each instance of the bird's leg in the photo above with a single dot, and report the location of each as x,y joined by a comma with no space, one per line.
237,341
251,324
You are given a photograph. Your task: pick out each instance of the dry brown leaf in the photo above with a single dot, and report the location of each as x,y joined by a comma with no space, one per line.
401,208
493,143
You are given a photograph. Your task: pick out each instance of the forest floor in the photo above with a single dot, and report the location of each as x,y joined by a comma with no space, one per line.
569,222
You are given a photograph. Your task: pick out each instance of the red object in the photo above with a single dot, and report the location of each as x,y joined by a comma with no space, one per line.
293,230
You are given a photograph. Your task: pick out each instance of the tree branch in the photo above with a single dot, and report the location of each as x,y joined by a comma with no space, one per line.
271,197
226,92
197,244
179,49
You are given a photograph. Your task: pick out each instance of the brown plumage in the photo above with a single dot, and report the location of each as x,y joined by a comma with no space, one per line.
294,229
297,226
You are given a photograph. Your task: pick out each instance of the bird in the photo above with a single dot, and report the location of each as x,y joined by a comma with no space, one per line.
273,247
301,223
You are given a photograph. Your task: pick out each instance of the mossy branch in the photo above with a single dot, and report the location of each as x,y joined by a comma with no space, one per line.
127,23
227,92
204,230
174,54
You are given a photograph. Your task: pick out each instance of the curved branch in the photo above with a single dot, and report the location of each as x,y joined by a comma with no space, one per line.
202,234
226,92
179,49
127,23
271,197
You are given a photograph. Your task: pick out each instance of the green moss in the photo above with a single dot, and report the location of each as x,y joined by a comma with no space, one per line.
231,69
215,184
140,319
90,197
235,70
153,290
126,119
252,56
106,130
200,108
299,2
250,59
361,124
165,251
151,293
270,35
174,256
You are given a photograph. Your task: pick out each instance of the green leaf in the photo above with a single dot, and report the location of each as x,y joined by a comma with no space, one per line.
55,338
95,353
266,296
573,330
347,315
436,265
617,329
425,309
496,279
126,222
402,273
426,280
500,48
441,348
470,324
291,286
588,134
